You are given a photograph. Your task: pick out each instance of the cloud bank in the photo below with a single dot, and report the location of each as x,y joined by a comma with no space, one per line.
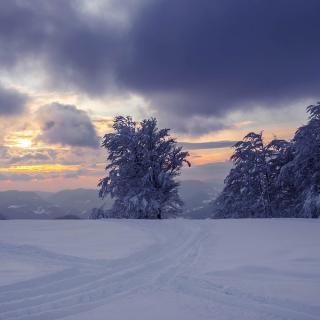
66,125
207,145
12,102
203,58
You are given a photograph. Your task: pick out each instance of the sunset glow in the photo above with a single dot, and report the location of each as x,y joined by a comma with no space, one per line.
45,168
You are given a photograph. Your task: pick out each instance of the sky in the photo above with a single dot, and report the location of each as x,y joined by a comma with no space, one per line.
211,70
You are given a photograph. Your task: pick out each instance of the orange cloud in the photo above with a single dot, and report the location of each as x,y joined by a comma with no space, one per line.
45,168
204,156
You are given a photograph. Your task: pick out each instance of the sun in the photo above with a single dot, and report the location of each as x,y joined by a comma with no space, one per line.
23,143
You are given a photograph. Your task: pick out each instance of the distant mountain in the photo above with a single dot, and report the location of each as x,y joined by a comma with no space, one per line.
78,203
25,205
197,195
46,205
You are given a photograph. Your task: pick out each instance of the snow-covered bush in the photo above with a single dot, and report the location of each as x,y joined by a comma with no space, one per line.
97,213
143,164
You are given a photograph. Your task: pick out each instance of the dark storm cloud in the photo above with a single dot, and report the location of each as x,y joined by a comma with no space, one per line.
207,145
190,123
211,56
12,102
189,58
77,51
66,125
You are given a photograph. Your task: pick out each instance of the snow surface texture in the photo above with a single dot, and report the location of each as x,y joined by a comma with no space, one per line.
173,269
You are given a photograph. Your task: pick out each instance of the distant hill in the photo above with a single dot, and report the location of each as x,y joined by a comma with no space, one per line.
25,205
78,203
68,217
44,205
197,196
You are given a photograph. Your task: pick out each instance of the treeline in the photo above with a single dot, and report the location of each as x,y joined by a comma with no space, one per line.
278,179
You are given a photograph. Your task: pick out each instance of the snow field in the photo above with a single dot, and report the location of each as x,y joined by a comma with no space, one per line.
170,269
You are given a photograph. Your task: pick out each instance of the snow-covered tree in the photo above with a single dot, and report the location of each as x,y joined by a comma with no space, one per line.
252,188
304,170
97,213
143,164
246,192
280,179
282,195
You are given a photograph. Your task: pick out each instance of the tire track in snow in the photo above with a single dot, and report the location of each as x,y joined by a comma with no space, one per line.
271,308
103,286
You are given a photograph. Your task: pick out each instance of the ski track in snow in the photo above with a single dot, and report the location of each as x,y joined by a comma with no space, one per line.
169,263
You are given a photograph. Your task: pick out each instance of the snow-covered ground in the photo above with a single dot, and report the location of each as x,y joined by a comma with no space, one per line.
174,269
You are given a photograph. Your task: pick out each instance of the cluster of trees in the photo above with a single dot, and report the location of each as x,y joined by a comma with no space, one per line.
278,179
143,164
